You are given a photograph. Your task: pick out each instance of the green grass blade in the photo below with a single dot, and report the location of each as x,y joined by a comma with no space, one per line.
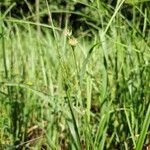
75,134
83,69
129,125
145,126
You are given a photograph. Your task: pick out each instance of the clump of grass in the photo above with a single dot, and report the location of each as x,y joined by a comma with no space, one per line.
93,94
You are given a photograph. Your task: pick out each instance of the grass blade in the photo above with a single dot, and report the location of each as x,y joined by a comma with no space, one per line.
143,133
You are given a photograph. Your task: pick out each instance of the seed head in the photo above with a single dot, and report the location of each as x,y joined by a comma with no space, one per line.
73,41
67,33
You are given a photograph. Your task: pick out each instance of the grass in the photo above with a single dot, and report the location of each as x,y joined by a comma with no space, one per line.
93,94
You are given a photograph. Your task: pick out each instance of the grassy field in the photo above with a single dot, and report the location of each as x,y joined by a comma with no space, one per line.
66,90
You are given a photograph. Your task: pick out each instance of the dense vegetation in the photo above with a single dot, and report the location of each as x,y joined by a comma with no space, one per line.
74,74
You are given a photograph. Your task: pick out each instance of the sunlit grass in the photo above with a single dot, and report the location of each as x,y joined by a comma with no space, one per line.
92,94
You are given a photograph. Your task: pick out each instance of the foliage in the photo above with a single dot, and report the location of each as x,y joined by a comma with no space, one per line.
81,89
78,13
